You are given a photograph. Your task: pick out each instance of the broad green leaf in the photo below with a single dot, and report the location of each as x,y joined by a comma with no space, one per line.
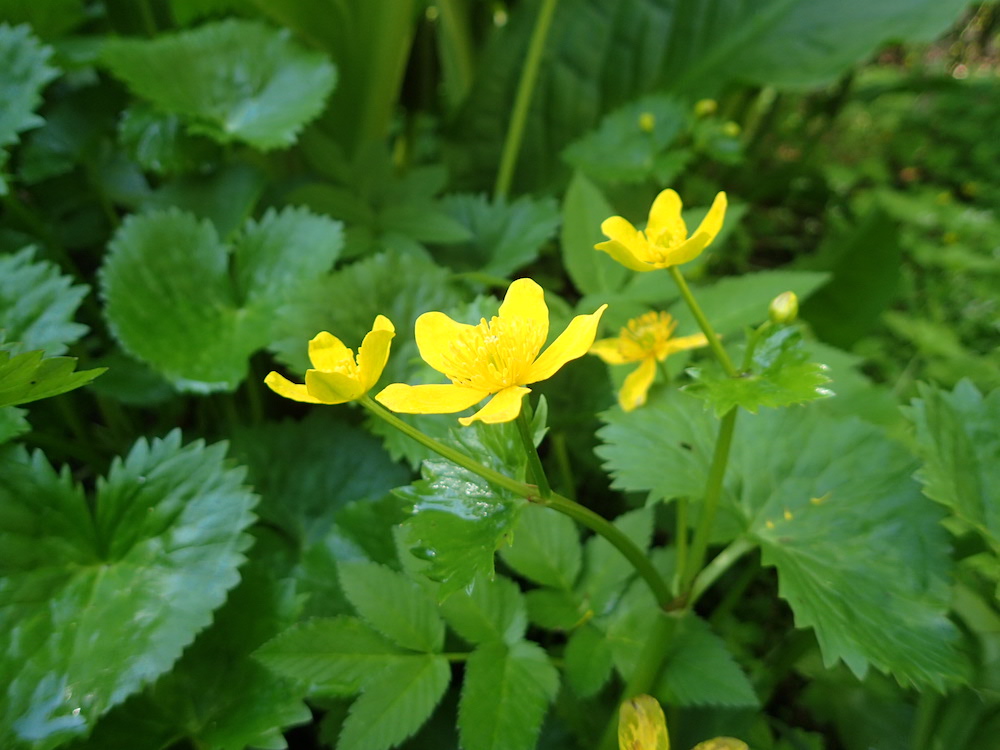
223,709
334,655
26,70
195,308
780,375
493,610
159,143
545,548
698,669
860,558
207,76
505,237
27,377
157,548
958,444
630,144
396,606
588,661
557,609
583,210
37,305
395,703
506,693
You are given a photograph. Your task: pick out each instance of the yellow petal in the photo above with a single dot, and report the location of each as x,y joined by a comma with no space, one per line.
503,407
285,387
712,223
686,251
326,351
332,387
642,725
525,299
683,342
435,332
570,344
627,245
624,256
636,385
429,399
374,352
665,214
609,351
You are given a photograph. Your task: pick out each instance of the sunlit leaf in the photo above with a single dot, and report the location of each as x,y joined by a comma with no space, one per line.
28,377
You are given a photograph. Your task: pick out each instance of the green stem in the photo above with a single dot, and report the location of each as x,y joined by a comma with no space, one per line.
579,513
535,469
680,542
525,88
719,565
710,505
706,327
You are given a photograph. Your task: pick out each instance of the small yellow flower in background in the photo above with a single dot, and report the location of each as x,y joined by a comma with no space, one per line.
665,242
647,340
705,107
642,725
339,377
494,358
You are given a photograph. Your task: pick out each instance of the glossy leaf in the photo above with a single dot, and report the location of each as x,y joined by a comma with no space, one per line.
545,548
505,695
159,551
37,305
493,610
195,308
210,77
28,377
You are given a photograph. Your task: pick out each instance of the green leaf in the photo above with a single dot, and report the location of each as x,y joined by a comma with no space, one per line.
47,18
545,548
957,442
195,308
24,62
27,377
493,610
395,703
556,609
206,76
505,237
396,606
584,208
159,551
12,423
860,558
37,305
588,661
607,569
620,149
223,709
699,670
334,655
158,143
506,693
781,375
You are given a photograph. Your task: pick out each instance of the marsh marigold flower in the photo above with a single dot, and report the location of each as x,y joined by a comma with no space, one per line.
498,357
647,340
337,376
665,240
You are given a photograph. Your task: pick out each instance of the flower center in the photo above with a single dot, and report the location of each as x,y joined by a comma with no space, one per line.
647,335
495,354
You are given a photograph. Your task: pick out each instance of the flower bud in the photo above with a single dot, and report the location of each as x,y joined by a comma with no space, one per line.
647,121
705,107
784,308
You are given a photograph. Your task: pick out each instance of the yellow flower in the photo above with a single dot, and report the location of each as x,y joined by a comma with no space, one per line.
338,376
665,241
646,339
496,357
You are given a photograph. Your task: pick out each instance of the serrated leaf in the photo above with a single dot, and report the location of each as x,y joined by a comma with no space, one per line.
505,237
25,63
37,305
860,558
957,442
493,610
27,377
545,548
174,302
505,695
334,655
395,703
396,606
699,670
781,375
584,208
159,551
556,609
233,80
12,423
620,149
588,661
